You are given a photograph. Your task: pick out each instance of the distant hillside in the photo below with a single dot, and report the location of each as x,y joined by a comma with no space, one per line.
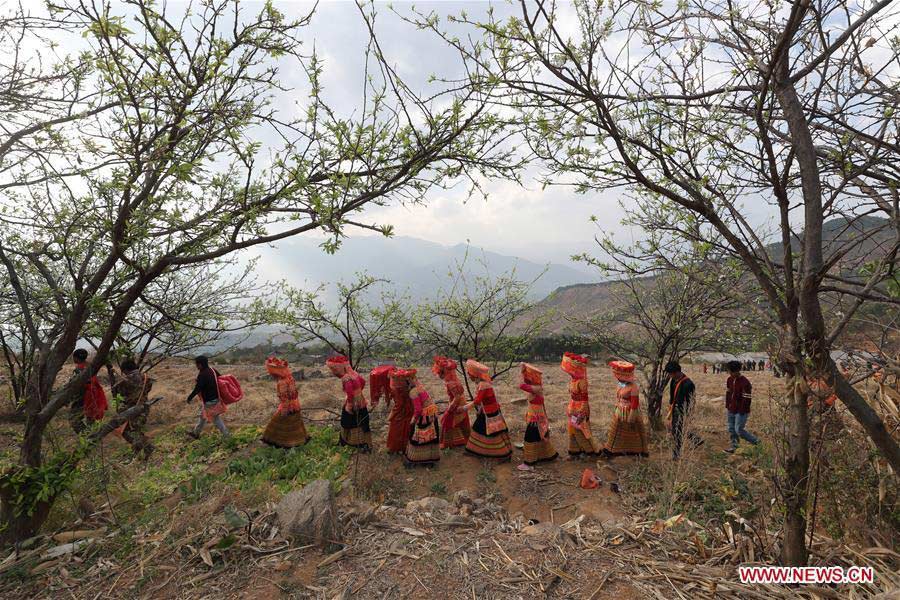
416,266
580,300
586,299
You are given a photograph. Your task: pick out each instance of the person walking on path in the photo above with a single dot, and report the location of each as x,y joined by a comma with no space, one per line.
133,389
581,440
355,429
424,447
211,407
455,426
681,402
737,403
627,432
286,428
489,437
537,446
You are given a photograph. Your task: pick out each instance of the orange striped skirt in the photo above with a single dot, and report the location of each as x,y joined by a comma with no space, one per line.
497,445
627,435
458,432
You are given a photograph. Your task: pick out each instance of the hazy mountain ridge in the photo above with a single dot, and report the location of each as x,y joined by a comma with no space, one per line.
414,266
587,299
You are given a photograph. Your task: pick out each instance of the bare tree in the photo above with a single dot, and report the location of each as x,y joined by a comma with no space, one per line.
664,311
704,109
179,106
363,319
204,308
490,318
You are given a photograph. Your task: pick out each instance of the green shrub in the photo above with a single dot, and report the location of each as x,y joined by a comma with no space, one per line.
320,458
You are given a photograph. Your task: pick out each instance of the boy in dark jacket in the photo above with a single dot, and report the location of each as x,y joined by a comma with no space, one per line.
681,401
737,402
211,408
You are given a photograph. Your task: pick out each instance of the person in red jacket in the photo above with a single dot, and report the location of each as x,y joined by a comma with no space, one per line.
88,404
737,402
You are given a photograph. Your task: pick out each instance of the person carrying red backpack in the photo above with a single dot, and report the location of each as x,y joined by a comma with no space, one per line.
88,404
211,409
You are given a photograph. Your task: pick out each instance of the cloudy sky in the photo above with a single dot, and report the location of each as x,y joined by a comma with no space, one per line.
540,225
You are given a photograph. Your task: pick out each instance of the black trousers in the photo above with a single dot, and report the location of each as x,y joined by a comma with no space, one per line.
680,413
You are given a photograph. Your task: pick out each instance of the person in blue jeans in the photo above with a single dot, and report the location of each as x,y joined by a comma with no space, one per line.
737,402
211,408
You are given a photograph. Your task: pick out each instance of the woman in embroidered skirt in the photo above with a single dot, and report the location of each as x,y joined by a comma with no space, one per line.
627,433
489,437
285,428
581,440
355,429
424,436
537,447
455,420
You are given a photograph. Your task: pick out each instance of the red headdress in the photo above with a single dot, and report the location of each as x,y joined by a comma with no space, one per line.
442,364
531,374
379,382
477,370
338,361
622,370
575,365
278,367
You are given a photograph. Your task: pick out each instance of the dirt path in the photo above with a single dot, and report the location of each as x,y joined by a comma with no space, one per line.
459,563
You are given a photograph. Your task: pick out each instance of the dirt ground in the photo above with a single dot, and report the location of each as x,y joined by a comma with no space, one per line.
549,494
321,397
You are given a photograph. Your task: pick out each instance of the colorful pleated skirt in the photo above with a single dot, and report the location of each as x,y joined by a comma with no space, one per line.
627,435
458,433
480,443
537,448
355,429
580,444
424,443
286,431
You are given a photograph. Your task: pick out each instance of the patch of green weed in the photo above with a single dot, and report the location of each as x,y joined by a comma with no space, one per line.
320,458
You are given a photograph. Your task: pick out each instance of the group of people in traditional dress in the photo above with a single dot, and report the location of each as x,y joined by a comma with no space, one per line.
418,431
416,428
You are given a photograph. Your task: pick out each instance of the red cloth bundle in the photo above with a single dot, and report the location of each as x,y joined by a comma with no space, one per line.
379,383
95,403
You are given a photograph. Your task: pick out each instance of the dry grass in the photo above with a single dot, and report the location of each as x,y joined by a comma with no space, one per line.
620,533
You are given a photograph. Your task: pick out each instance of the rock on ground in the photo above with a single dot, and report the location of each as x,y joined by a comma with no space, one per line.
429,504
310,515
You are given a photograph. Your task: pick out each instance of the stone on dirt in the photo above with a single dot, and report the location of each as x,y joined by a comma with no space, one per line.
428,504
310,515
462,497
550,532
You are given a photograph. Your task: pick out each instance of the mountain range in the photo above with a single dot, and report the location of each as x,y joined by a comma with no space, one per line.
419,268
413,266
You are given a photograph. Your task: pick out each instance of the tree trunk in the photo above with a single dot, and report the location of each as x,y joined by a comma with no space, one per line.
796,468
654,410
655,399
18,528
868,418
